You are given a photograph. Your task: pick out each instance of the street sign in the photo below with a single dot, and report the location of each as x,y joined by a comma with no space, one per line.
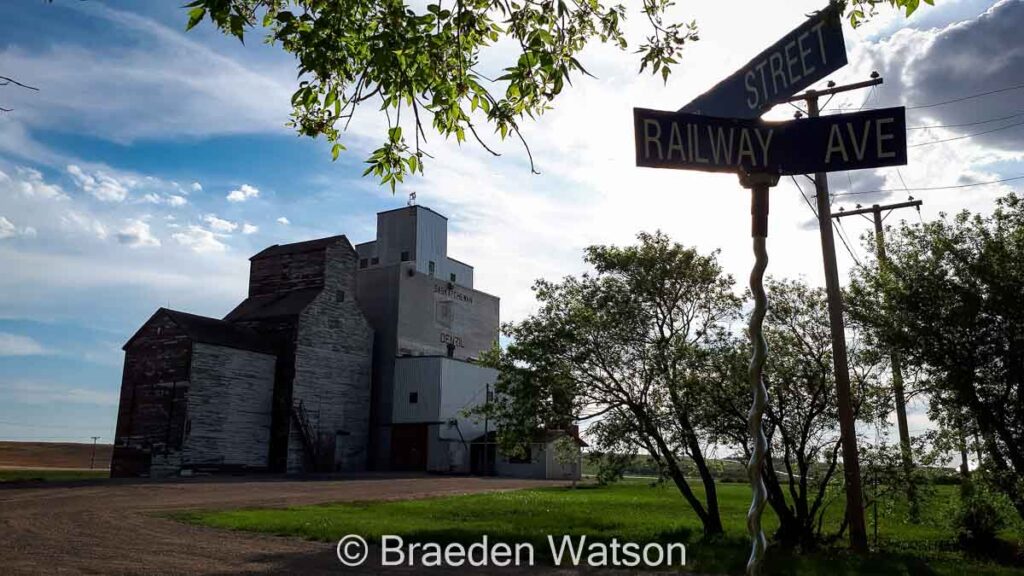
811,52
869,139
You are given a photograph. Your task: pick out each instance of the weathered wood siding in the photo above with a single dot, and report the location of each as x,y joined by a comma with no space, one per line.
154,390
332,366
229,408
285,272
280,333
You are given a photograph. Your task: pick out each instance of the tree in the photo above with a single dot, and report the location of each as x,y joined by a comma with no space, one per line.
950,301
802,417
624,344
427,63
5,81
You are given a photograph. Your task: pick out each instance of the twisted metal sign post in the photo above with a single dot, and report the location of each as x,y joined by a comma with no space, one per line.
759,185
721,131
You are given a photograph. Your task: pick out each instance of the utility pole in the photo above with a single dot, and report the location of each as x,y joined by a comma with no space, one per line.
487,439
847,421
894,357
92,460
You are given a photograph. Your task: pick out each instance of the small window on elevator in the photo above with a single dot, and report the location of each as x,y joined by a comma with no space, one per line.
431,267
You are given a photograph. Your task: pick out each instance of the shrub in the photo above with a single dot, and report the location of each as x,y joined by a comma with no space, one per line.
978,520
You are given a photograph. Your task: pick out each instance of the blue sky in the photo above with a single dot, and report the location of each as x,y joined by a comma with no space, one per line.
153,162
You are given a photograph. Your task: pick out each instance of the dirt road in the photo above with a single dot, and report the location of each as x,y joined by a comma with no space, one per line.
113,528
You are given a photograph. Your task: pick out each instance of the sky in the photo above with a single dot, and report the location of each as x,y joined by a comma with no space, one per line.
152,162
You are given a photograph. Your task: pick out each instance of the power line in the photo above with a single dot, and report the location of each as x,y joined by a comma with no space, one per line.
804,196
930,189
966,124
967,135
963,98
954,100
842,232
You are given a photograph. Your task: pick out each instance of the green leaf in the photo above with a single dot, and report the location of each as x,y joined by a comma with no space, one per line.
195,16
238,27
335,150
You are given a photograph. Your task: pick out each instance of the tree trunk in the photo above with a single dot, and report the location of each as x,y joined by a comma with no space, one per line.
712,524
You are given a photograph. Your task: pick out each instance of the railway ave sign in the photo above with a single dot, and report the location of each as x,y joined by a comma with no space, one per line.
811,52
721,131
869,139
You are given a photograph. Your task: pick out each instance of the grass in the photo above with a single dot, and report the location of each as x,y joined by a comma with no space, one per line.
630,511
50,475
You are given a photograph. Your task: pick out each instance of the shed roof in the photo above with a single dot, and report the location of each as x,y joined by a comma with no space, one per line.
279,305
300,247
210,331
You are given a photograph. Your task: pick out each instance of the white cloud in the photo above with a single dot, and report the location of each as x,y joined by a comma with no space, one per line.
29,183
250,228
199,240
220,225
78,222
168,97
7,229
172,200
197,187
101,185
18,345
283,221
243,193
136,234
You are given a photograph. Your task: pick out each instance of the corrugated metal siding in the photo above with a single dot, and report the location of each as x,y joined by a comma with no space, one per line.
378,300
229,408
431,243
396,233
463,387
423,377
445,388
463,273
432,314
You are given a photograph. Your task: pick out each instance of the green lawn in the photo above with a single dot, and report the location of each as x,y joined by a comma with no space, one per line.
50,475
631,511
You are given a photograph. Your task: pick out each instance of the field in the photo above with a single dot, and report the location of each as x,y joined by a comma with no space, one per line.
53,461
631,511
67,455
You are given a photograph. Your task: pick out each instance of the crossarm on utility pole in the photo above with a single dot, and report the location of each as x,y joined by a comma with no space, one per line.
847,419
899,395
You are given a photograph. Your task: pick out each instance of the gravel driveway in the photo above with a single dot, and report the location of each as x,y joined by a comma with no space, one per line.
111,528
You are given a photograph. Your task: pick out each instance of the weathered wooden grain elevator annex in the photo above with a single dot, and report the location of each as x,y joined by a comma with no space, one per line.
341,358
